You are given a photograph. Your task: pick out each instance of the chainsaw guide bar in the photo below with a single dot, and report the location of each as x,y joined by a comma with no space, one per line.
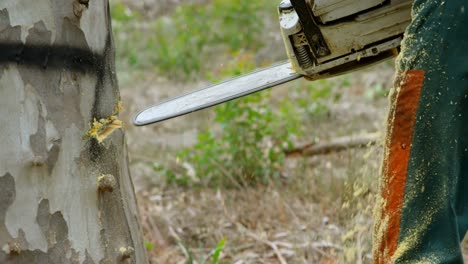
217,94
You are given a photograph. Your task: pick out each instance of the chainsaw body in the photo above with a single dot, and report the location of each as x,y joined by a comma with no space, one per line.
324,38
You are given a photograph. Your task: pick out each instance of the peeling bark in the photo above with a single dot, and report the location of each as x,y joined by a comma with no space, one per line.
57,76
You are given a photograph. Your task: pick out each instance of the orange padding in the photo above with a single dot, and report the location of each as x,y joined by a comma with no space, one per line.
402,116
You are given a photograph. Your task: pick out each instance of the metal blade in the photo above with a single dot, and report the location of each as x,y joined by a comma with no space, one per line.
216,94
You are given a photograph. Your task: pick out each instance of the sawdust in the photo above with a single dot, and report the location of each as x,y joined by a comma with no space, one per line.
382,219
101,129
412,242
119,107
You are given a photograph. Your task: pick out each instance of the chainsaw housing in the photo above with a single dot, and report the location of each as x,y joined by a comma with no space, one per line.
324,38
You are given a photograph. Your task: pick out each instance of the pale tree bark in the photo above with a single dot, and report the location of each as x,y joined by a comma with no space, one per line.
65,191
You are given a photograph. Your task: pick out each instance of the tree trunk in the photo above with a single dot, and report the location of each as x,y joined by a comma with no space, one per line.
65,191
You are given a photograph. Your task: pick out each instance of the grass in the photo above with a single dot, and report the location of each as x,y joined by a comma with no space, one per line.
179,45
314,216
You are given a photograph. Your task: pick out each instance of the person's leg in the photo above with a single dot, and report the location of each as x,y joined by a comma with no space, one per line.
422,211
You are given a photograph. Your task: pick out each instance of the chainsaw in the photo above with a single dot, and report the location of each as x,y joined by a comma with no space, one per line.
323,38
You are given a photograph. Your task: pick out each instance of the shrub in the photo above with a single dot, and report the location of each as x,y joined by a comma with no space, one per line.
180,44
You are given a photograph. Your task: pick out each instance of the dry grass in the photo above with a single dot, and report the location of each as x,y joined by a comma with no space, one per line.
318,215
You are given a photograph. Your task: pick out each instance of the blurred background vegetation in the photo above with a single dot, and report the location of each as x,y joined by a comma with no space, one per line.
181,44
221,185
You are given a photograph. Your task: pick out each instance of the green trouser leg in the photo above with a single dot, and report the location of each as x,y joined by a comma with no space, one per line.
422,211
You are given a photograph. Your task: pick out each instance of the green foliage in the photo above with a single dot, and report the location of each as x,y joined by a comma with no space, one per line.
179,45
247,151
217,251
149,245
171,176
215,254
246,146
183,41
